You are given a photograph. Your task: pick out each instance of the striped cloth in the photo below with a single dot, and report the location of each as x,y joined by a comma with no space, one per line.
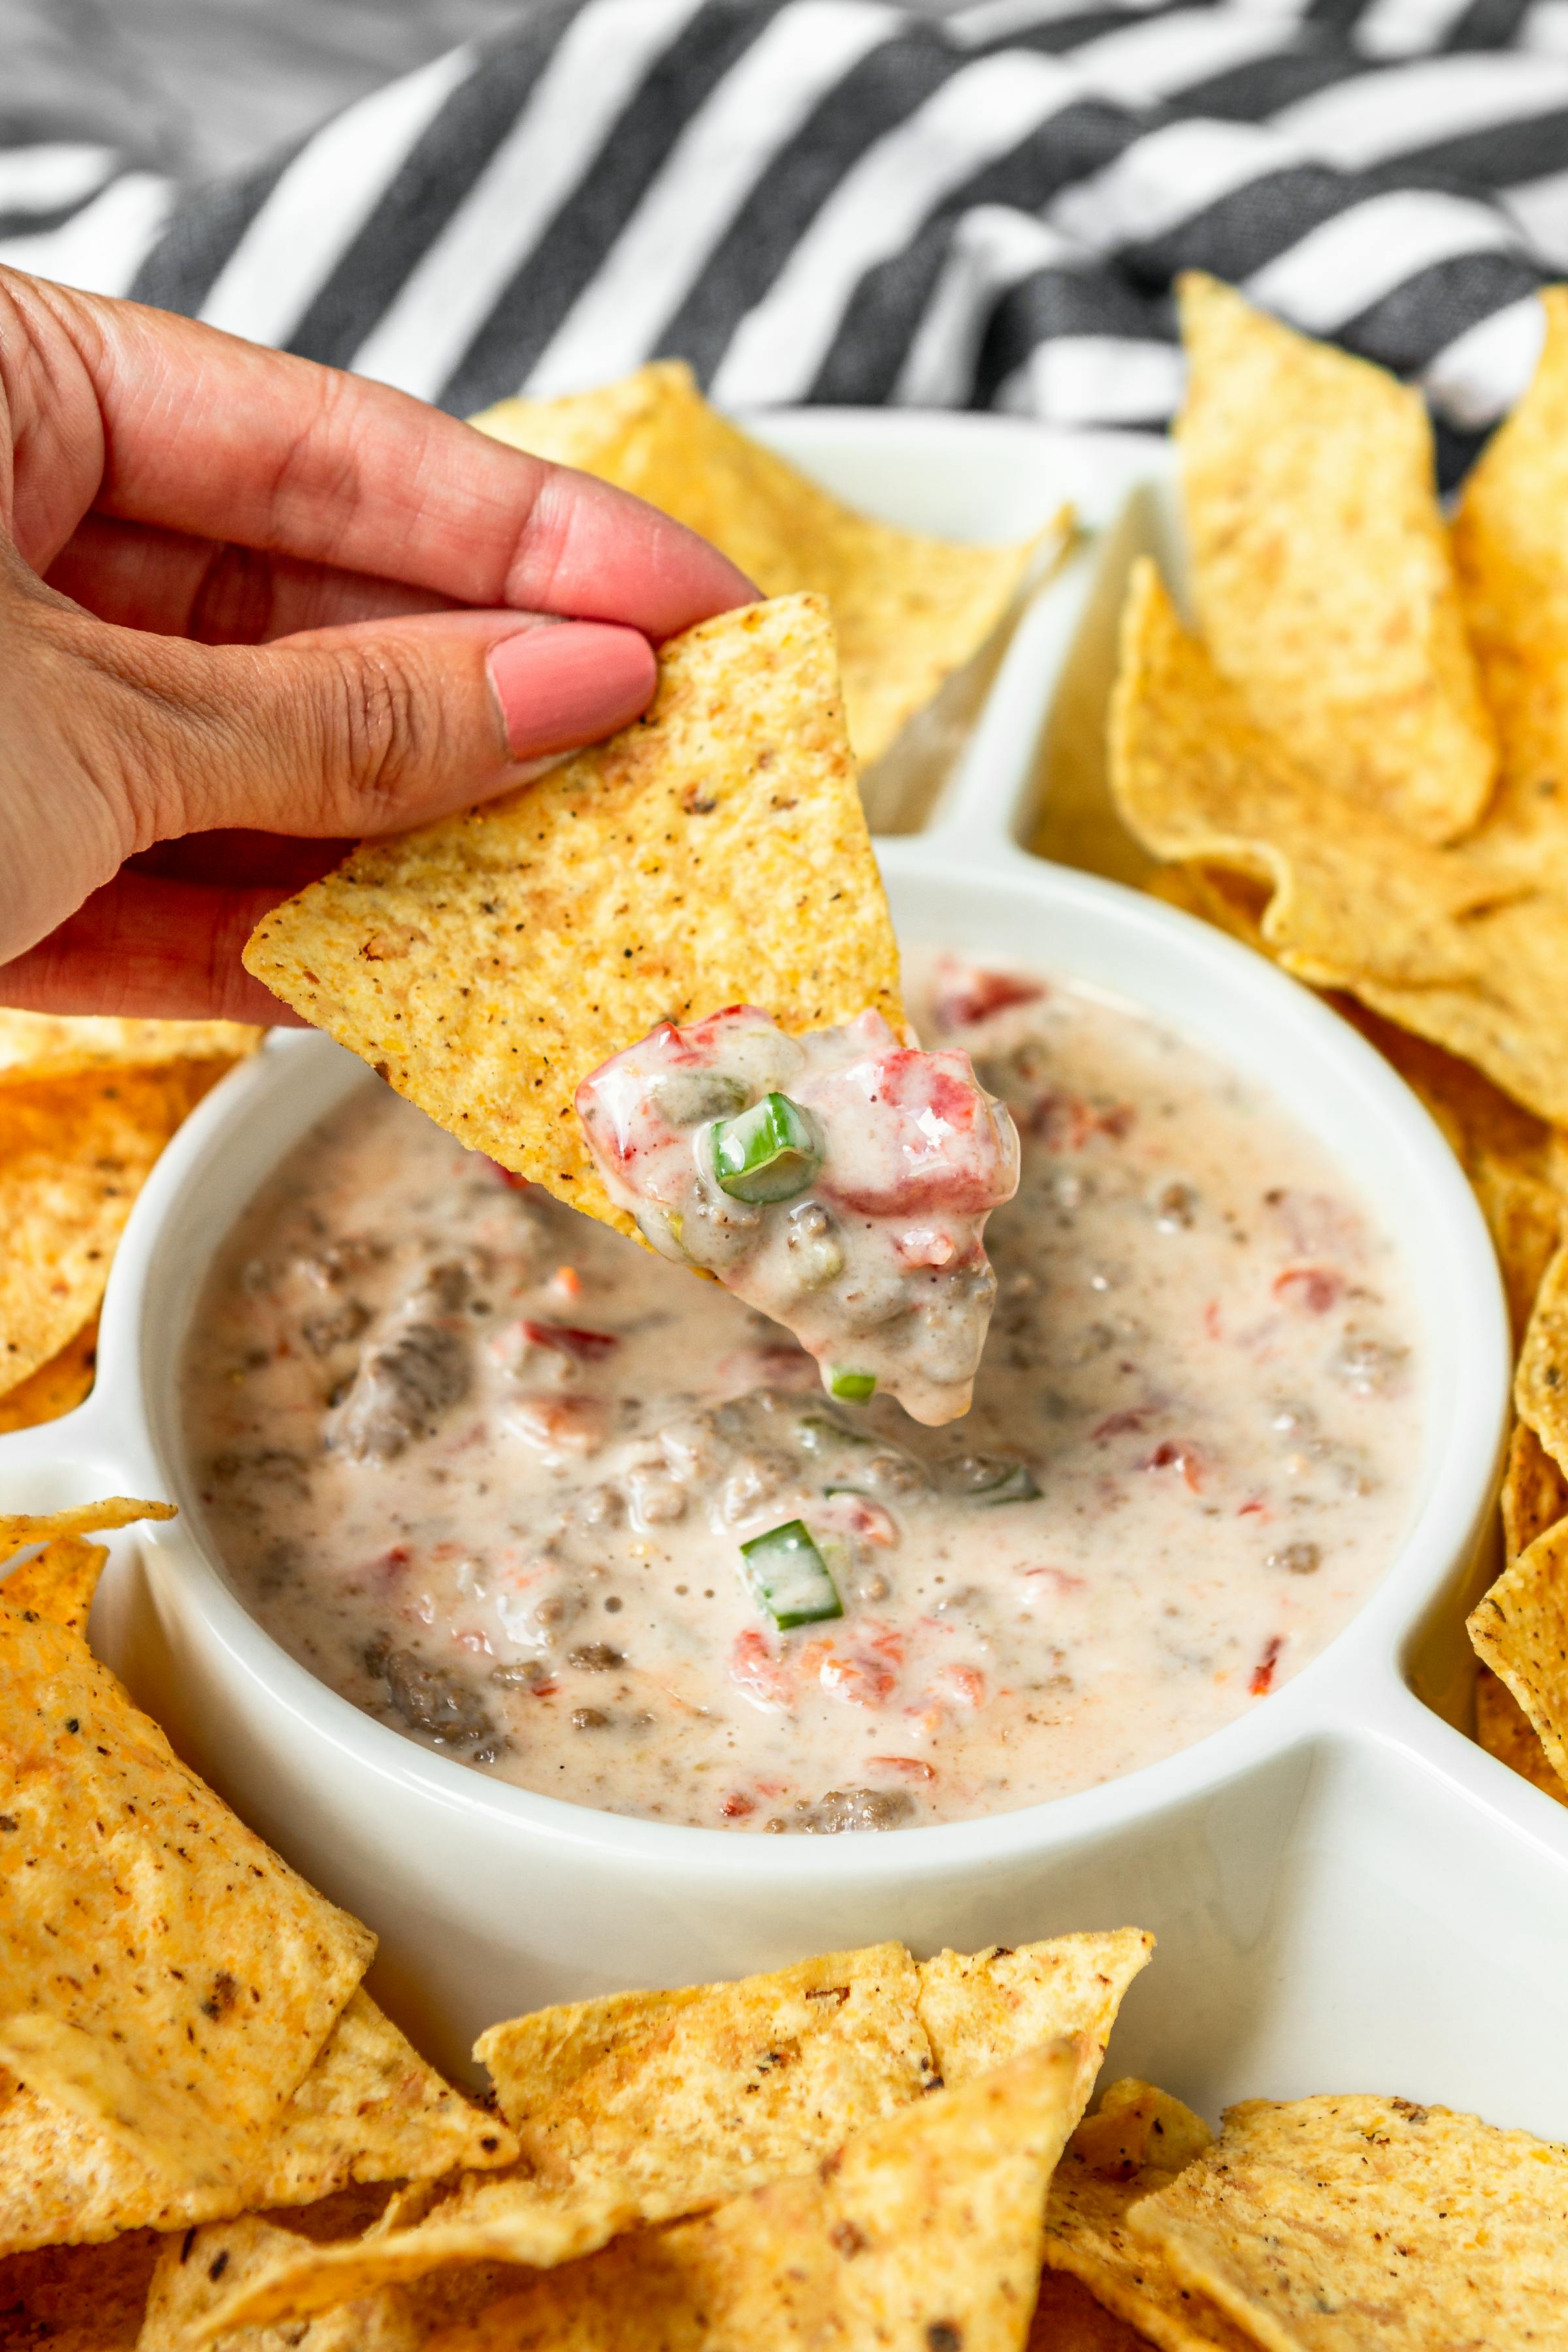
835,200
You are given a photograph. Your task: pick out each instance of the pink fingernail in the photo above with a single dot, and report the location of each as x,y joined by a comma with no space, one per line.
570,684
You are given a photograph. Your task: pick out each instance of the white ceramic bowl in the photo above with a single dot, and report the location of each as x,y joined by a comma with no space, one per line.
1348,1894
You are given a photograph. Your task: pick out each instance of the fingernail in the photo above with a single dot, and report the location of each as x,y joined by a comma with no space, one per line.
570,684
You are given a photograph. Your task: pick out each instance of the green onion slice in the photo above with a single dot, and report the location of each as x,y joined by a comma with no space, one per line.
788,1577
1017,1487
855,1388
770,1154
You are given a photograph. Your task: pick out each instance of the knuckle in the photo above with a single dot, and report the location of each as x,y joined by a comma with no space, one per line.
384,735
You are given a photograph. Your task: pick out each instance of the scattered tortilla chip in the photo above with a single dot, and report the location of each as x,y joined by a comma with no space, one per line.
1320,563
46,1045
78,2298
1534,1491
646,2105
908,610
370,2110
1375,2223
197,2272
58,1583
922,2231
74,1153
1541,1383
712,853
1505,1731
163,1974
57,1387
1512,560
20,1528
1520,1629
1135,2143
1436,939
984,2009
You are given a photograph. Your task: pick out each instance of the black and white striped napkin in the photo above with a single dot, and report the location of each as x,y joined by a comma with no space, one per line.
833,200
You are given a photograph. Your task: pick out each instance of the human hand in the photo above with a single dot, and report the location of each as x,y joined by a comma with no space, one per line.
252,608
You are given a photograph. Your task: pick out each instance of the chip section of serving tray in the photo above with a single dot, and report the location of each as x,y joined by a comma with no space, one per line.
1353,1896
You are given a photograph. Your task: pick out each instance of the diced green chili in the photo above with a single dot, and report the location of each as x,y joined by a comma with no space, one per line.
1017,1487
788,1577
770,1154
855,1388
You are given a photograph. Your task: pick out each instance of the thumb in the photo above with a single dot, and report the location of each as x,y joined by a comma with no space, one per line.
380,725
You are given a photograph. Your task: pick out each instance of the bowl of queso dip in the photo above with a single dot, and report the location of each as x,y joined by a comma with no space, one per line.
546,1504
543,1604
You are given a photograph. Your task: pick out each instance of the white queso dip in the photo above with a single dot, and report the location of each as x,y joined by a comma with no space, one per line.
543,1501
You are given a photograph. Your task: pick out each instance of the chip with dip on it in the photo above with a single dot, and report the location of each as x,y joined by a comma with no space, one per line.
569,949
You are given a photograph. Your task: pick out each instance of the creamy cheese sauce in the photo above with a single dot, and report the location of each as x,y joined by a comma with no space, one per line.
839,1182
487,1467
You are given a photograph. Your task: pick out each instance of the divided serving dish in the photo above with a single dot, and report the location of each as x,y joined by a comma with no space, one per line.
1347,1893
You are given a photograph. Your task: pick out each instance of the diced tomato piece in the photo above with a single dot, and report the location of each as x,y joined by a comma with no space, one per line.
1262,1681
1177,1454
864,1682
1314,1288
965,994
913,1767
583,1347
567,1281
763,1676
508,1176
940,1143
1118,1425
735,1806
964,1683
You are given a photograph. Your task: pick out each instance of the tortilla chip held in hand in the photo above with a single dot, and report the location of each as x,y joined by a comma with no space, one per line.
712,853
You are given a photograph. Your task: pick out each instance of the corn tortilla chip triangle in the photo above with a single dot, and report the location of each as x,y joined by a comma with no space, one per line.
195,2274
1068,2319
1541,1383
163,1976
370,2110
58,1583
712,853
1505,1731
1322,567
648,2105
47,1045
1520,1628
1534,1491
57,1387
74,1153
1377,2223
1511,552
922,2231
907,610
20,1528
1441,941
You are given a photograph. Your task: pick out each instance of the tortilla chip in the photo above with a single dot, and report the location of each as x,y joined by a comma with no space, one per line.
1436,939
58,1583
712,853
78,2298
1320,563
1541,1383
57,1387
197,2272
163,1974
45,1045
370,2110
647,2106
1512,561
908,610
1520,1629
1375,2223
20,1528
984,2009
1505,1731
1534,1491
923,2230
74,1153
1134,2126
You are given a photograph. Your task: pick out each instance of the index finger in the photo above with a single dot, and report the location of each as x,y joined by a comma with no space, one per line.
204,433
